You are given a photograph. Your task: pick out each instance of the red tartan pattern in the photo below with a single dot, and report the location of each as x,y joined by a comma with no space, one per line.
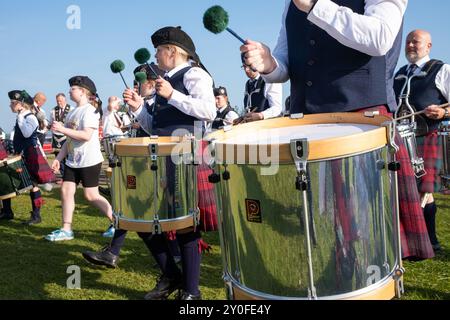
3,153
206,199
414,235
430,149
38,166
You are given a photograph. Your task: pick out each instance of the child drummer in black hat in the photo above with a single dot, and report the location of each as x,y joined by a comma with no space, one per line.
184,100
27,144
83,156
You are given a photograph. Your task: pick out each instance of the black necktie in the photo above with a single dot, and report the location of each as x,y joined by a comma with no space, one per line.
412,69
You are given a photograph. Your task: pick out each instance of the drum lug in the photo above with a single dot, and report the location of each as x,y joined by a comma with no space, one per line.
391,133
300,154
394,166
398,277
228,287
196,151
312,294
381,165
157,226
153,149
196,216
214,178
226,175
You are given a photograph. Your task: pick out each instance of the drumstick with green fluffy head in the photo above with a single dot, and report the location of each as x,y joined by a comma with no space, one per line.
117,67
141,78
216,20
142,56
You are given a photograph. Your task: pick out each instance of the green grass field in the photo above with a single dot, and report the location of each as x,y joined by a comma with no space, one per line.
34,269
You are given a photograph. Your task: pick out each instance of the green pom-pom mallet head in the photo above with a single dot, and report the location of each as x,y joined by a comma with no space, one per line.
142,56
117,67
216,21
140,77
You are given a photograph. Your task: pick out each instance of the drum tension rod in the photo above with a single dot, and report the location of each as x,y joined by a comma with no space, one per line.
154,156
300,153
214,177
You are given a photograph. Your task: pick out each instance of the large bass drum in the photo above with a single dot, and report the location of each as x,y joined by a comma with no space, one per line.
308,208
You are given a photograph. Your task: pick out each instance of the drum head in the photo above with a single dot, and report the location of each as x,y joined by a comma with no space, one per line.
329,136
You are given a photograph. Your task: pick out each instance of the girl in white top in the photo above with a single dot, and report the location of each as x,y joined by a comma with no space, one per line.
84,157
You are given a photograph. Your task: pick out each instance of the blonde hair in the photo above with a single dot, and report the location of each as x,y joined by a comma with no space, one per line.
179,51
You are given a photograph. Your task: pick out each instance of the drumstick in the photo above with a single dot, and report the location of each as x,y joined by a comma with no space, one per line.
442,106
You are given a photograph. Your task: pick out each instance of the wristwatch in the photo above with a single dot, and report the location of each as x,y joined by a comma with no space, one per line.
446,114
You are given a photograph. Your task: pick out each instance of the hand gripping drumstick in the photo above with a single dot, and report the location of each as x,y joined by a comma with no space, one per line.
442,106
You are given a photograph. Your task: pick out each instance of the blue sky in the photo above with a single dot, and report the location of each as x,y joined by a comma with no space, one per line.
39,53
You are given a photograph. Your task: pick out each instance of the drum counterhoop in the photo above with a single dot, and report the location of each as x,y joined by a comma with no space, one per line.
325,226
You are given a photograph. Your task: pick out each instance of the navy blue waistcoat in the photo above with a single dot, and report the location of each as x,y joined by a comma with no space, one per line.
254,97
20,142
423,90
167,118
327,76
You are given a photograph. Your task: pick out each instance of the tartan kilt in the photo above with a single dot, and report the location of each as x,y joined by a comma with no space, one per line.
206,197
430,149
38,166
3,152
413,229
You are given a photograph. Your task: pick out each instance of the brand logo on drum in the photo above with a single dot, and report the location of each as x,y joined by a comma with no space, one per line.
131,182
254,213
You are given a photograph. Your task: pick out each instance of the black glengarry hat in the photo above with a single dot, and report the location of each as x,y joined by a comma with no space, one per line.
220,91
83,82
21,95
177,37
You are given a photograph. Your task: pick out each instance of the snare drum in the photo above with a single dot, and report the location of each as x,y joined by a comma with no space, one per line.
14,178
109,144
444,132
151,190
307,208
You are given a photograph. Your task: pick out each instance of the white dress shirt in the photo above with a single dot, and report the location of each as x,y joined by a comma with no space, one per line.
230,117
442,78
27,125
373,33
200,103
273,92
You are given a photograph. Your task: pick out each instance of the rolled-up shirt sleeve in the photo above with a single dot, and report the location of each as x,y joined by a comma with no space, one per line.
200,103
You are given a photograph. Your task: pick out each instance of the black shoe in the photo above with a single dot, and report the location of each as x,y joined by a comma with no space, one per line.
163,289
33,221
102,258
183,295
6,216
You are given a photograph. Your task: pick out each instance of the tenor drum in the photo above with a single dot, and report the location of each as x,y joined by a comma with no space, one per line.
307,210
109,144
154,185
444,132
14,178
